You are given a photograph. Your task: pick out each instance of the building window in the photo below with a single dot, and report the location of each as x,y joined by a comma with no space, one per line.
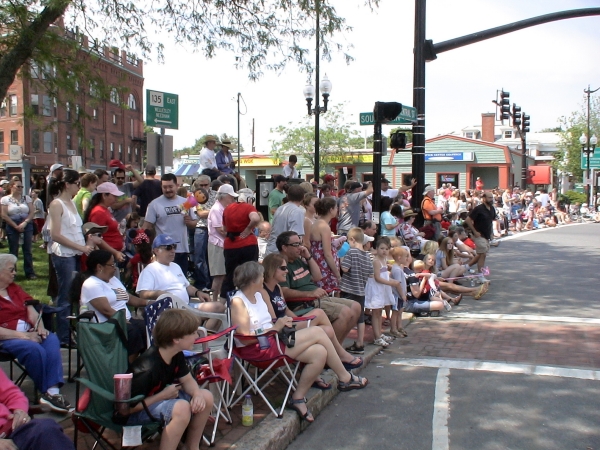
2,142
79,147
68,108
131,102
469,135
77,112
12,107
14,137
47,106
114,96
95,114
101,150
47,142
114,119
35,104
121,152
508,134
3,108
93,89
35,141
69,142
34,70
137,155
112,150
92,148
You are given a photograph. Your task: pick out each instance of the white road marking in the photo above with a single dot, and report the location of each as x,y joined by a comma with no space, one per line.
517,235
488,366
523,317
441,406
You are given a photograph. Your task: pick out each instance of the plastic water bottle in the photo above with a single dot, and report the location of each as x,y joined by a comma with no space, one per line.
247,412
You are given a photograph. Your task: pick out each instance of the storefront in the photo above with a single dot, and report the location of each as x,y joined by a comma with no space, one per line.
459,162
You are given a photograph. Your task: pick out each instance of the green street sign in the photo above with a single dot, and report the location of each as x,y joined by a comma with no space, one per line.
407,116
162,110
594,161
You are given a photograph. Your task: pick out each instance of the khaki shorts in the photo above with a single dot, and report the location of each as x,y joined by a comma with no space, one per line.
333,306
216,260
482,245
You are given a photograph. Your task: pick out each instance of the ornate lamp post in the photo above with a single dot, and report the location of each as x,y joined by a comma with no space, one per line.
588,145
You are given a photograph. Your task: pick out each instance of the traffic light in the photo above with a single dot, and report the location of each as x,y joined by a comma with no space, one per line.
504,105
398,140
516,115
386,111
526,123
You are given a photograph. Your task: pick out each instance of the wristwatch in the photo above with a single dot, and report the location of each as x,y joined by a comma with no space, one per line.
309,258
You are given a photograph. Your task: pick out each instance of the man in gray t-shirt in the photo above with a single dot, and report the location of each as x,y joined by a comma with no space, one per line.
349,207
289,217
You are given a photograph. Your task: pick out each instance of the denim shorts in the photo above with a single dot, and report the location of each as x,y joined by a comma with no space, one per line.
162,411
417,306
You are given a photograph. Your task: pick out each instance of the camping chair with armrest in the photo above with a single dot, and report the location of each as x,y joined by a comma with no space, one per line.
209,362
281,366
413,244
102,346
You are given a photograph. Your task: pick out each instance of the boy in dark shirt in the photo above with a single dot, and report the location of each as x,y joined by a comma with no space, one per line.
172,394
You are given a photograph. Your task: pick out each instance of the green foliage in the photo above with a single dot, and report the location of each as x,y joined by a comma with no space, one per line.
575,197
568,158
336,138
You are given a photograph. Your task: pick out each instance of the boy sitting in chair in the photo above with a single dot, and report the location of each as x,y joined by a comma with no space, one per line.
172,394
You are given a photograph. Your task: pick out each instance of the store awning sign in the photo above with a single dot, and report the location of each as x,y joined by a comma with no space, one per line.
450,156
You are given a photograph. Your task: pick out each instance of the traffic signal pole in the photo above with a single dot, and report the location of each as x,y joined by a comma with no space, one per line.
426,50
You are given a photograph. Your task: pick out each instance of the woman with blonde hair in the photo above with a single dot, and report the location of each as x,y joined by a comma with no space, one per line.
446,262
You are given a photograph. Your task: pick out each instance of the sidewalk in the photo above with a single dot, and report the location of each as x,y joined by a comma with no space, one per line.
268,432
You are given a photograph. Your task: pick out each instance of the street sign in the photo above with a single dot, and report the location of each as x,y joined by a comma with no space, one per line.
162,110
407,116
594,161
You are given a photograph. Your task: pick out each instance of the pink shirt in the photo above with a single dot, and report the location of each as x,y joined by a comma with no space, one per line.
11,398
215,220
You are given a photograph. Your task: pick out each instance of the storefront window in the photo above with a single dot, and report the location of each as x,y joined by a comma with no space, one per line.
447,178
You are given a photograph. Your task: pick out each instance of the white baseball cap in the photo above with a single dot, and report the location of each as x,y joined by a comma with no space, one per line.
227,189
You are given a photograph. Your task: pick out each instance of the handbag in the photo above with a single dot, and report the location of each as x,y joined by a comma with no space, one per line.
287,335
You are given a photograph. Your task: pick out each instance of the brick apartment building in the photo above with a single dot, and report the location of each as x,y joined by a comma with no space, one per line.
112,130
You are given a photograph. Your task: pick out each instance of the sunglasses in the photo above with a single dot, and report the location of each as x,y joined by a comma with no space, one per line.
120,178
169,247
204,185
295,244
284,268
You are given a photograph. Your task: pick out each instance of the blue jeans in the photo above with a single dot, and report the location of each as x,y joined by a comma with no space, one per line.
201,274
42,361
13,245
41,433
65,268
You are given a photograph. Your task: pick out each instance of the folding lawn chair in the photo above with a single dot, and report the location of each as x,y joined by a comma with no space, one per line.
102,346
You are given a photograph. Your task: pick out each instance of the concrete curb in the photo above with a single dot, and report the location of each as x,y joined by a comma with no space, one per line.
276,434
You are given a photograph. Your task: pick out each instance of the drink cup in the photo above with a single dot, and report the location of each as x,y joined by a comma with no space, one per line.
122,392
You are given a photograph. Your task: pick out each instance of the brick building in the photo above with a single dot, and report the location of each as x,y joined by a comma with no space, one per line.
113,128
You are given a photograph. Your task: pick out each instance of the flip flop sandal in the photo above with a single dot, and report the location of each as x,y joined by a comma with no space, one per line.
307,415
355,382
354,364
457,300
319,383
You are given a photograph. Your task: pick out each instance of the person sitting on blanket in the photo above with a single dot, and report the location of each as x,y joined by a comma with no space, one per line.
172,394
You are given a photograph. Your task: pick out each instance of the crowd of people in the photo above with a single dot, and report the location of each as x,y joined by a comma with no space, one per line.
131,238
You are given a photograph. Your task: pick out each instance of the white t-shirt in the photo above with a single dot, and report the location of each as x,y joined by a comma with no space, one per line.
160,277
207,159
166,216
290,172
114,291
392,193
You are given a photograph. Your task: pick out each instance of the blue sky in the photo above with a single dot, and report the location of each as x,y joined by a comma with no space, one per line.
545,68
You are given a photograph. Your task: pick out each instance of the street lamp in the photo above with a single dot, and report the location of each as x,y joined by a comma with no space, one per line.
310,93
587,148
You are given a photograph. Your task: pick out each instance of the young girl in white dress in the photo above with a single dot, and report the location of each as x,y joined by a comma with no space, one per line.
378,290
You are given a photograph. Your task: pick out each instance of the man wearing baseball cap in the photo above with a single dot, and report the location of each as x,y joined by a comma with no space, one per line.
208,161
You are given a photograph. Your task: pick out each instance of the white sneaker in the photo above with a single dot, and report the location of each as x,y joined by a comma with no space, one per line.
387,338
482,280
381,342
447,306
494,242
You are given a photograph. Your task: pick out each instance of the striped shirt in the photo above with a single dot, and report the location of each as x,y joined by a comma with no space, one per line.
360,270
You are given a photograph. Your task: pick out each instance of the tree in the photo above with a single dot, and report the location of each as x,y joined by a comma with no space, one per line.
568,158
336,138
263,34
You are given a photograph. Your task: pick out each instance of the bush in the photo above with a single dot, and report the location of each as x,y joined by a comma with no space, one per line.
575,197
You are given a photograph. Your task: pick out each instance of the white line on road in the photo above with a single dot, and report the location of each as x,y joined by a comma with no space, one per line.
488,366
523,317
440,411
539,230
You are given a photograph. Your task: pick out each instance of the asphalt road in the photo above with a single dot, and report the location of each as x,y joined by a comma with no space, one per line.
477,385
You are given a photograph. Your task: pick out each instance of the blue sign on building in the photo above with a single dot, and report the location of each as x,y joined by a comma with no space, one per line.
452,156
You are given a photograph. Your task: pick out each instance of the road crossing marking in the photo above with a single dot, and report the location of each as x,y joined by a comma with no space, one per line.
490,366
524,317
440,411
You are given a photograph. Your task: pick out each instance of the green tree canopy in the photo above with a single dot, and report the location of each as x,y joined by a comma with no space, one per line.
263,34
336,138
568,158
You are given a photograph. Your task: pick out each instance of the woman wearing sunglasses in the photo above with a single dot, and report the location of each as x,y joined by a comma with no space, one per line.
17,212
104,294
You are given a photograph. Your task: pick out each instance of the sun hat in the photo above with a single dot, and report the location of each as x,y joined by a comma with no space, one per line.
91,227
210,138
409,213
227,143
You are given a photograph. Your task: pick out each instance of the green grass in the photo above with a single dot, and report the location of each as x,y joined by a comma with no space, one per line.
35,288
